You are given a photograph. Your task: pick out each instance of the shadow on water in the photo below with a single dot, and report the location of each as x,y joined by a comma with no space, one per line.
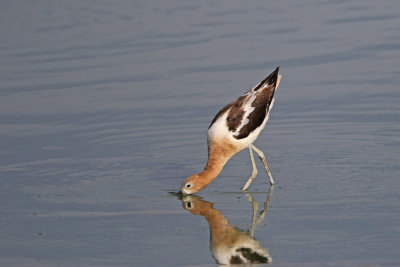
229,244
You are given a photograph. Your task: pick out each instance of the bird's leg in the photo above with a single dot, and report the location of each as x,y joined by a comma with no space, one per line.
262,157
253,172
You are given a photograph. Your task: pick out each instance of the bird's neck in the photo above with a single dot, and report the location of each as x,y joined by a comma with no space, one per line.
219,152
212,169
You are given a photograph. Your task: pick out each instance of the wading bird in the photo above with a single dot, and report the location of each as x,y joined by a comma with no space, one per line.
234,128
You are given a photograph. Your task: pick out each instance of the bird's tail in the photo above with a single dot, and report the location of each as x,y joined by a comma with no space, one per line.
272,79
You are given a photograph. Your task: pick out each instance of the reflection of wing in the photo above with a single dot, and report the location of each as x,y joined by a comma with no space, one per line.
253,256
243,249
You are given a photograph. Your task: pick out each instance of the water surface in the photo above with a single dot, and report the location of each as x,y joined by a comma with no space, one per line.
104,109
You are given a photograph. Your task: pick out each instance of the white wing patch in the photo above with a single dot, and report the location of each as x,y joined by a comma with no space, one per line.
248,109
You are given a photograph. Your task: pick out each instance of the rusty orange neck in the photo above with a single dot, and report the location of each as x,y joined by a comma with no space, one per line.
219,152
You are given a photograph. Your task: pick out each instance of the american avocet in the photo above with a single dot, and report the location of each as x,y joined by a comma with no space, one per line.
234,128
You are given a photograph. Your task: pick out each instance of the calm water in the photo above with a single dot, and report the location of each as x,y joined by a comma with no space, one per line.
104,108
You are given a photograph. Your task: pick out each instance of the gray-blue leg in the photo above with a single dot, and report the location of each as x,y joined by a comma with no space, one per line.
253,173
264,160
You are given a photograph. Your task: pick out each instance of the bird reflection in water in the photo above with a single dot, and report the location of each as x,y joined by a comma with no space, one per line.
228,244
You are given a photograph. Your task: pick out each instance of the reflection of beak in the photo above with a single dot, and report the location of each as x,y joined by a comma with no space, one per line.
189,198
178,194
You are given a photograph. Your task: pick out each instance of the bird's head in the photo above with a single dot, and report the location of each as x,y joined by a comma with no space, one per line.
193,184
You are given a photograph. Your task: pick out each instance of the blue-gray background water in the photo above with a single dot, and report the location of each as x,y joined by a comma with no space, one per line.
104,107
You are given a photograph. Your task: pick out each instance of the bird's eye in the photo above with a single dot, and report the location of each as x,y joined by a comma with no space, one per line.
188,185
